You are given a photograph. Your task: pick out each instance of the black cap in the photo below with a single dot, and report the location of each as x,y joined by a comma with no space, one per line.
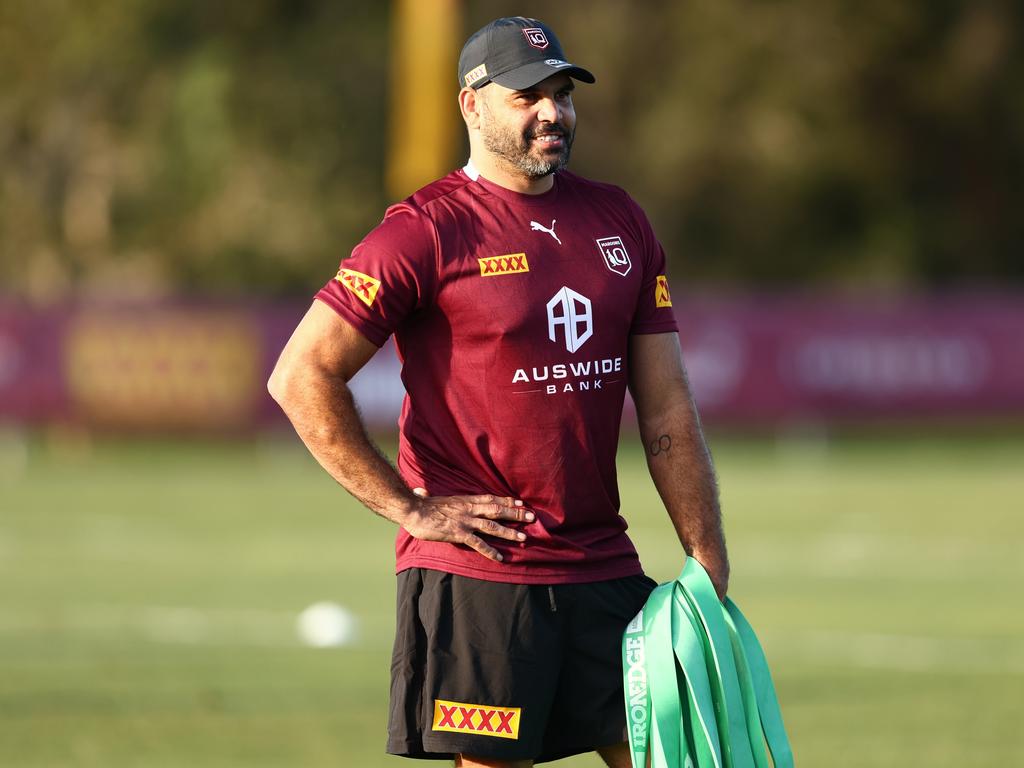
515,52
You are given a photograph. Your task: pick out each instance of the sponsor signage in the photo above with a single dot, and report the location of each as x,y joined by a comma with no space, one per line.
171,369
661,294
363,286
476,74
203,366
510,264
476,719
572,313
638,704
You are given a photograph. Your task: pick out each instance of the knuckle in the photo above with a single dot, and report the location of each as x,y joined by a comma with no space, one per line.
479,545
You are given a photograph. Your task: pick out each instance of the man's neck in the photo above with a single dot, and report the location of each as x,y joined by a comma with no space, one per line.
497,171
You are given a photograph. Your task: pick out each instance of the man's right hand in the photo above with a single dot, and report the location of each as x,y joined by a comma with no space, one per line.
459,520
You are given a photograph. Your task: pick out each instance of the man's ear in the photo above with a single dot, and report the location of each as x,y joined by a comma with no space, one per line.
470,103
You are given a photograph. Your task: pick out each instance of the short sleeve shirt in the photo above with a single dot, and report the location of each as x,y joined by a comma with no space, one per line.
512,315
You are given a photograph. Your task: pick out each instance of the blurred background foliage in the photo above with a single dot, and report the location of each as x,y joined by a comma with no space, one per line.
152,147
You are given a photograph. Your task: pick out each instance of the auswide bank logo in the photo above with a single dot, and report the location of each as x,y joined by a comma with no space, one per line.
573,313
477,719
570,322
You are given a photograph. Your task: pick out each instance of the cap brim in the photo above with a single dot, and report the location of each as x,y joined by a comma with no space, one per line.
530,74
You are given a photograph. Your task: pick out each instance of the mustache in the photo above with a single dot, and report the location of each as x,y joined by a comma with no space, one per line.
548,130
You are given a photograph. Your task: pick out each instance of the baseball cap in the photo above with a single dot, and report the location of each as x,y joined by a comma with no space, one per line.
515,52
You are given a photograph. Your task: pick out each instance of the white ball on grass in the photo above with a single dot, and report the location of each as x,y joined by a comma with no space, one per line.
326,625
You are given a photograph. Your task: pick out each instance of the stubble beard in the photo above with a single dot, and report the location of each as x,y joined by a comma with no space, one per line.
516,149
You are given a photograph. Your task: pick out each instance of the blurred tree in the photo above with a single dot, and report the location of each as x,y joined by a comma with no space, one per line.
175,145
868,143
161,145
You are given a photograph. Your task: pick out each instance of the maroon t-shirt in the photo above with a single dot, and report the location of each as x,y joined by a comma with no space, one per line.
512,315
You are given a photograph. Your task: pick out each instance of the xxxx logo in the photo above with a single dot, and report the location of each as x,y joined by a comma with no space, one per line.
510,264
475,74
458,717
363,286
661,294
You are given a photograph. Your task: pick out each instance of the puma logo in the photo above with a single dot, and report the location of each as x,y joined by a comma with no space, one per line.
541,228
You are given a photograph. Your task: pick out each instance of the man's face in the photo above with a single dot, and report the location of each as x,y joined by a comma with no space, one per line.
532,129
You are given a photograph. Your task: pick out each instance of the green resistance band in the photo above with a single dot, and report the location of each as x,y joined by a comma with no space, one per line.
698,690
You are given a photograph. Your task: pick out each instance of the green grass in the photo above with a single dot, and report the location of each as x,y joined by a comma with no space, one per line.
148,594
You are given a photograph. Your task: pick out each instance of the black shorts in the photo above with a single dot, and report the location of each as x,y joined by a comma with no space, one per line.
508,671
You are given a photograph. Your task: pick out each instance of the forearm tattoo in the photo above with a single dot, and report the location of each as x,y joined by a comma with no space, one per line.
662,445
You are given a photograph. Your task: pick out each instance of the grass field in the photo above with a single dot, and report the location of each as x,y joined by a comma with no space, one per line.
148,596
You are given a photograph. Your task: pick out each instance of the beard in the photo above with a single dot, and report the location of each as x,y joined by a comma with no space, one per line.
532,160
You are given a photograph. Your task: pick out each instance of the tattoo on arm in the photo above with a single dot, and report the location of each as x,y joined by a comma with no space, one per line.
662,445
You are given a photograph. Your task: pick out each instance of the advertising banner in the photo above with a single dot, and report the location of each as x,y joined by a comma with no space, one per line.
202,367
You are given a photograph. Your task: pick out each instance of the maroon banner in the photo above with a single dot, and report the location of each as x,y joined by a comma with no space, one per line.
173,367
752,360
31,379
773,359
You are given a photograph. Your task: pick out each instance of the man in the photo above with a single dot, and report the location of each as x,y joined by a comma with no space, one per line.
523,300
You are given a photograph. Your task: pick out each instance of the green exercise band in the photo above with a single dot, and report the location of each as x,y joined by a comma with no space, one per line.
698,690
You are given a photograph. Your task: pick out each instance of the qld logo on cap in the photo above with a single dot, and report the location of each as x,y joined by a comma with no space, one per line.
535,36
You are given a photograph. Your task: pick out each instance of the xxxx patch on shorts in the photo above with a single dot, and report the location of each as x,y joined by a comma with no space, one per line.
476,719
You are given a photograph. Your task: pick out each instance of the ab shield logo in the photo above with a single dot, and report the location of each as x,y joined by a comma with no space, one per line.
615,256
480,720
363,286
572,311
